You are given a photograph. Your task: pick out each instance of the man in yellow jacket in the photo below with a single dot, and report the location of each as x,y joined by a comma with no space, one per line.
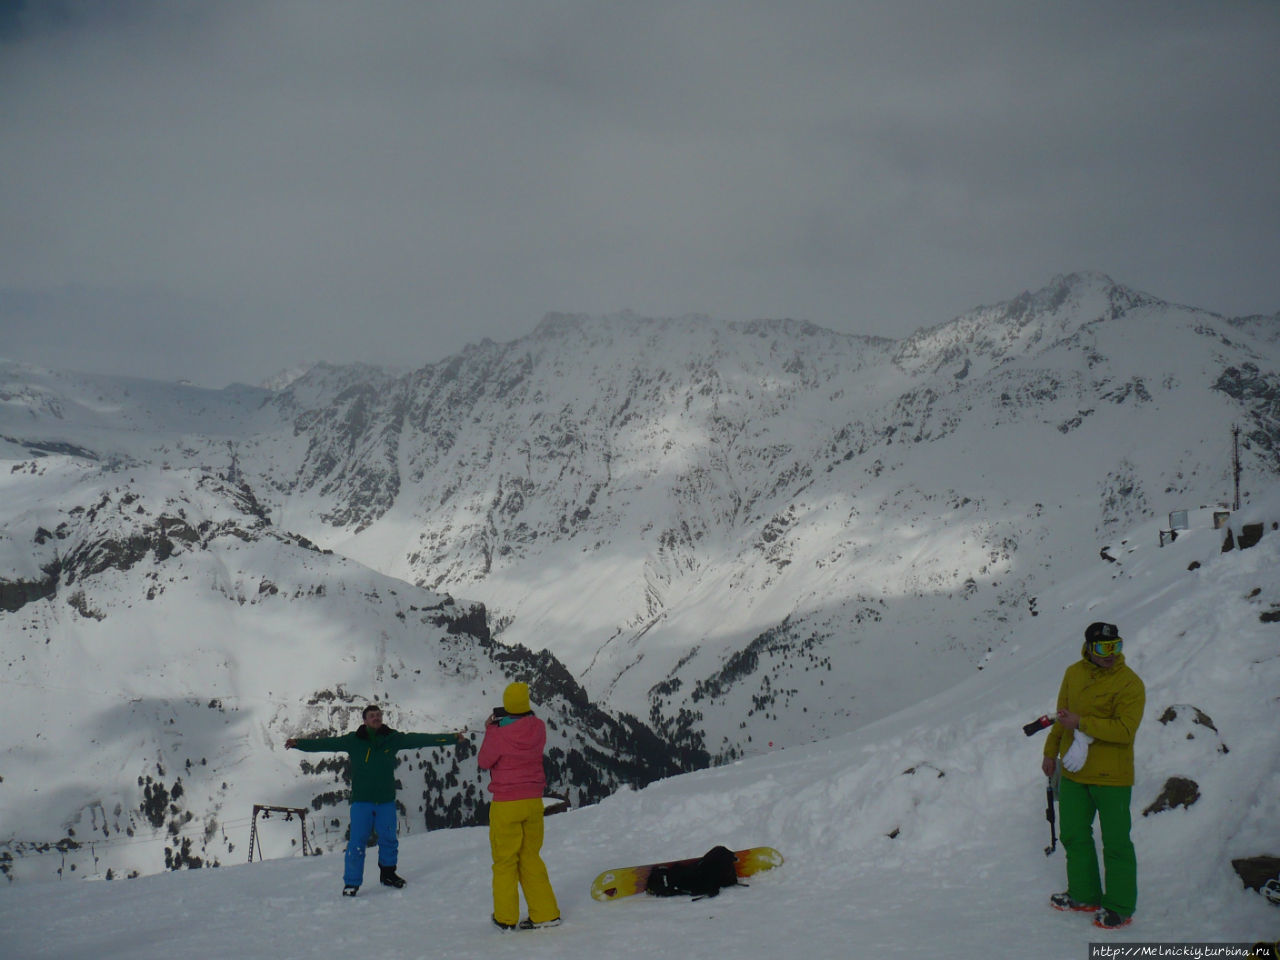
1100,706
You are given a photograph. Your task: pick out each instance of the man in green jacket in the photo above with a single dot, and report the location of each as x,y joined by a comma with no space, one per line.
1100,706
372,750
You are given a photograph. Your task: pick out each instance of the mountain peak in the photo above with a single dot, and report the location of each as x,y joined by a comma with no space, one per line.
1081,279
1079,288
283,379
1032,320
557,324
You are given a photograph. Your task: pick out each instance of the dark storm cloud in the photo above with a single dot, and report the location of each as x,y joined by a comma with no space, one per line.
243,185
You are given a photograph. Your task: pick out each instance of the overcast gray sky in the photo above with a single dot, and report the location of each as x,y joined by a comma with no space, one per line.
218,190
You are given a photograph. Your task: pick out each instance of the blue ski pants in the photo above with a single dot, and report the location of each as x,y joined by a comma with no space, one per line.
365,818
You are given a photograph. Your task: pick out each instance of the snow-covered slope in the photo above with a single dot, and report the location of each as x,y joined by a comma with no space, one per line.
745,534
920,834
161,640
713,523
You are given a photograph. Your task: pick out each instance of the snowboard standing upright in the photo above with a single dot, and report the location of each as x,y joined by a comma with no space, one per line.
628,881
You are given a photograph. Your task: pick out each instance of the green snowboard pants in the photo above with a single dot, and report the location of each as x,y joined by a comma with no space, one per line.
1077,805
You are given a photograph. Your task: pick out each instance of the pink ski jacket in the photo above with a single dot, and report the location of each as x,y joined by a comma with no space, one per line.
512,753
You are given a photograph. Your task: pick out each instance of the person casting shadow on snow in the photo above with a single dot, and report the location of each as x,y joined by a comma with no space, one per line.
1100,706
372,750
512,753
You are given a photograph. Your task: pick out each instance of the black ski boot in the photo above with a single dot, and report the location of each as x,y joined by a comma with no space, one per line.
1063,901
1110,920
350,890
390,878
527,924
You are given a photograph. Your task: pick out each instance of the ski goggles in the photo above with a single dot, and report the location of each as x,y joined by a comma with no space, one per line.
1106,648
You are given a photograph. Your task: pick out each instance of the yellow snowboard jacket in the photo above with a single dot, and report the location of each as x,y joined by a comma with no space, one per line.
1110,702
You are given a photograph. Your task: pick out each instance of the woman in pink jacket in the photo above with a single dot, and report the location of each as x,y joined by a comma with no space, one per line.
512,753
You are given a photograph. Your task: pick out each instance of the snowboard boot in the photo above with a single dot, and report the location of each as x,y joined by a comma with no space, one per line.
1271,890
1060,901
504,927
350,891
390,878
527,924
1110,920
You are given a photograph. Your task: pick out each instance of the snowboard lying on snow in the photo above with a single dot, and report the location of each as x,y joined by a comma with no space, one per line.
695,876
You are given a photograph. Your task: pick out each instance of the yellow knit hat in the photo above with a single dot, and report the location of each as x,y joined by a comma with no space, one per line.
515,699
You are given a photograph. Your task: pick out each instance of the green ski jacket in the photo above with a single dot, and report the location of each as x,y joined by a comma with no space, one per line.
373,757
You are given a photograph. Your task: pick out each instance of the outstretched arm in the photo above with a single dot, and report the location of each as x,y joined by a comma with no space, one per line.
408,741
316,744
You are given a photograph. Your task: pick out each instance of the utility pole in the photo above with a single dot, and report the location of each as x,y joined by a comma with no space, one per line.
1235,462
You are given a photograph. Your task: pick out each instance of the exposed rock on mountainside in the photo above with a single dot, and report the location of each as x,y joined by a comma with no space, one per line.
707,483
224,624
745,533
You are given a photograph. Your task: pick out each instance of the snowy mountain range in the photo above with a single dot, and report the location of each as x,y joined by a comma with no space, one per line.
920,834
698,541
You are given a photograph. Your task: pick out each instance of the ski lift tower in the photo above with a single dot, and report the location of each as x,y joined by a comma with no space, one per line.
289,813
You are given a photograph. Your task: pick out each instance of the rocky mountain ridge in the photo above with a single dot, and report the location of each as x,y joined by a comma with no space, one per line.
747,534
174,637
706,481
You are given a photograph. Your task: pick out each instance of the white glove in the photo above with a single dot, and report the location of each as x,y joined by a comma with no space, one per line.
1078,752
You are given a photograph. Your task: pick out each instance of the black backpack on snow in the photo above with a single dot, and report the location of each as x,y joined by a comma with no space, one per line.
703,877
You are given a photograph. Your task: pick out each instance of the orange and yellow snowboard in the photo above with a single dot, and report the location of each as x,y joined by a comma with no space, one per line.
626,881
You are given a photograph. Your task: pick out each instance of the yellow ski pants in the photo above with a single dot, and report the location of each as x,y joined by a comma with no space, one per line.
515,837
